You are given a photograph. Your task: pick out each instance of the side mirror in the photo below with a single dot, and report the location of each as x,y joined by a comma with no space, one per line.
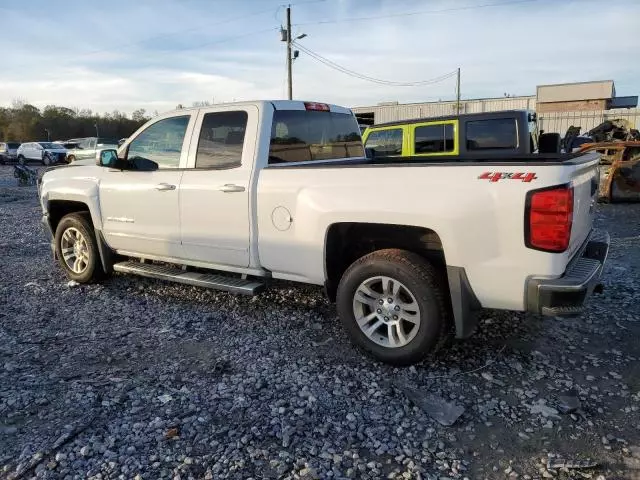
106,158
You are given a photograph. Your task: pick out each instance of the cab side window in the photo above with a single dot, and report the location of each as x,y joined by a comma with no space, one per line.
493,134
161,142
436,138
221,140
385,142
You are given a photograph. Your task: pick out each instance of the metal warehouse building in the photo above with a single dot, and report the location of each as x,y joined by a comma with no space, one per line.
584,104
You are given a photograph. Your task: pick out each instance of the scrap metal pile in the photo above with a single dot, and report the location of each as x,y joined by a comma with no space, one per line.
618,144
612,130
608,131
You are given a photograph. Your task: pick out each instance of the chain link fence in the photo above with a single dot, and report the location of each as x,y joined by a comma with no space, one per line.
559,122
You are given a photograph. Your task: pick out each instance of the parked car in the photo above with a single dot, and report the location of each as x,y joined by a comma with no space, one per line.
9,152
231,196
46,152
85,148
478,134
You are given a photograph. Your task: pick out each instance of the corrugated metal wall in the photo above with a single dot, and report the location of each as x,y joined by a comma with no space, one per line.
392,113
557,122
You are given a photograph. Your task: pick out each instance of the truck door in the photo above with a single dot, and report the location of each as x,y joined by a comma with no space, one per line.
140,209
215,187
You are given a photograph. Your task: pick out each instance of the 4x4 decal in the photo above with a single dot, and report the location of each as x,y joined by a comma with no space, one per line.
497,176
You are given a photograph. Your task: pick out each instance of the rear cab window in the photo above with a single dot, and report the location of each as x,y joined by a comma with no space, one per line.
435,138
310,135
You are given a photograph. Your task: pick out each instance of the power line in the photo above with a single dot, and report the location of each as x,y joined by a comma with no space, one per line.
424,12
361,76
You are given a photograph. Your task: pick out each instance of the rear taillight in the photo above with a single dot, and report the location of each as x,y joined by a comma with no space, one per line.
548,218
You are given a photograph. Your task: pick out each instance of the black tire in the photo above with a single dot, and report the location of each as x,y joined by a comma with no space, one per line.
22,160
2,160
47,160
81,222
70,158
423,281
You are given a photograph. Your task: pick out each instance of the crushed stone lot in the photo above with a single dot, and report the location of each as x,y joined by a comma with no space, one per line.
135,378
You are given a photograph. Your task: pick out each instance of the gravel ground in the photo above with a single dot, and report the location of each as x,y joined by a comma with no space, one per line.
135,378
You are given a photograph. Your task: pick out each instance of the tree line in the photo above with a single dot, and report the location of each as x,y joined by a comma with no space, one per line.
23,122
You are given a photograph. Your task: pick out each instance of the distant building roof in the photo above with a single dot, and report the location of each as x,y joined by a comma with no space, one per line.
624,102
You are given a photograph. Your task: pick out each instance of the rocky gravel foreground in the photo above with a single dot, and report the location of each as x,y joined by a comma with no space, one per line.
135,378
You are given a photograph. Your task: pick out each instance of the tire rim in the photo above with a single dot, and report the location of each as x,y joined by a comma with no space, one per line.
74,249
386,311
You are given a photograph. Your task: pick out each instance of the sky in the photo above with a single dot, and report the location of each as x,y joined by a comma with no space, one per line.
155,54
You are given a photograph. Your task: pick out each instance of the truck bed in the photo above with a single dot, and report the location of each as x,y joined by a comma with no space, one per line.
533,159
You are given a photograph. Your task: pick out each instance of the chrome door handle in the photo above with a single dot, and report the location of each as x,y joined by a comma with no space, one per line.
230,188
165,186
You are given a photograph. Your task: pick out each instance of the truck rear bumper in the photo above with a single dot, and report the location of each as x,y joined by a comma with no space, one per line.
568,294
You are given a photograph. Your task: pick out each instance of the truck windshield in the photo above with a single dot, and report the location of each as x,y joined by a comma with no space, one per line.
307,135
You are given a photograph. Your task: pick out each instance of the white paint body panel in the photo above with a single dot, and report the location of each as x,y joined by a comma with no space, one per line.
480,223
215,226
136,216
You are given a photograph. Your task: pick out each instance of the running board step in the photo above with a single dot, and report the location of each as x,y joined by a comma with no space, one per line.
566,311
206,280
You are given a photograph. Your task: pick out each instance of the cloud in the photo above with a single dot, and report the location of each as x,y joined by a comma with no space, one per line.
156,54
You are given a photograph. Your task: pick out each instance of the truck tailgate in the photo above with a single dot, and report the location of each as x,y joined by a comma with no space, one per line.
584,177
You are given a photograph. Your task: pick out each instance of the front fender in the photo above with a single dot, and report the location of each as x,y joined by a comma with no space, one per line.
75,184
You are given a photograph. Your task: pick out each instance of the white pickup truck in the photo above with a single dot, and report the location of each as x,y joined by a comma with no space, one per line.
231,196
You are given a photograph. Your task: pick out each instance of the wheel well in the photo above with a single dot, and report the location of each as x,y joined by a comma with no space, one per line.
346,242
59,208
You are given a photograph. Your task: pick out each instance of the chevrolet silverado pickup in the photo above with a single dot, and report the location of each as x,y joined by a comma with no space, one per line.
232,196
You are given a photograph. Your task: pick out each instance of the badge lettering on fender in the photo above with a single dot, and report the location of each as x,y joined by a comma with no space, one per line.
497,176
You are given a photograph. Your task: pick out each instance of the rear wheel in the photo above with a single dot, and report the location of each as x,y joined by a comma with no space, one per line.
392,304
77,249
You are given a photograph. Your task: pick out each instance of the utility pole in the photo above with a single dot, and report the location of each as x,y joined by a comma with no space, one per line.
458,92
289,75
286,36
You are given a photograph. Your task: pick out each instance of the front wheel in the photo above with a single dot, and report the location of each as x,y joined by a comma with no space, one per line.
77,249
70,158
22,160
46,160
393,305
